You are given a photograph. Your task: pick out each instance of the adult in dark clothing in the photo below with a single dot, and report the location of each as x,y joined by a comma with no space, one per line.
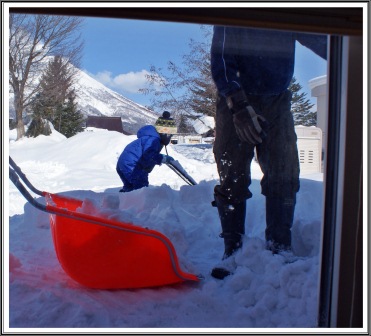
252,70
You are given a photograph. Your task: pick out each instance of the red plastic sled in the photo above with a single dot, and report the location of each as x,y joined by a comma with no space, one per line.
103,253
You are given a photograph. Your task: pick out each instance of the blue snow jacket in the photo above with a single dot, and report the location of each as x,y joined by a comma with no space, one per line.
140,156
259,61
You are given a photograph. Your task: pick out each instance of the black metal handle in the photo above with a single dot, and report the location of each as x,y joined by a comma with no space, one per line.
14,178
180,174
19,172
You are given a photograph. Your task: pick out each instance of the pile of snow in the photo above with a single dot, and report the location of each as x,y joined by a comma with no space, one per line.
265,292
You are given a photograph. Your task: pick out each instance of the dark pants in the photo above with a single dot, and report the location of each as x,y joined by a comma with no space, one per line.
277,154
138,180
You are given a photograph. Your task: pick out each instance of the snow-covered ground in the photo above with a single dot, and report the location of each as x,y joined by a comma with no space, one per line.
265,292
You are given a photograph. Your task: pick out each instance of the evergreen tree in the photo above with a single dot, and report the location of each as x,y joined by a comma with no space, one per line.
56,99
39,124
68,120
301,106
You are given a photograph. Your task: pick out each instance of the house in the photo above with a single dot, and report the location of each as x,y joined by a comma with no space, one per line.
108,123
318,88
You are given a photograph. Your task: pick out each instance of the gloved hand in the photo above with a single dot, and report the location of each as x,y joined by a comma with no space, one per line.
250,126
167,158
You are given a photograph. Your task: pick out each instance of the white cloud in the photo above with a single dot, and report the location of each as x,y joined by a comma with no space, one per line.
130,82
105,77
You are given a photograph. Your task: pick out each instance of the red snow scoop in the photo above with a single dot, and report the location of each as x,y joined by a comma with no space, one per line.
103,253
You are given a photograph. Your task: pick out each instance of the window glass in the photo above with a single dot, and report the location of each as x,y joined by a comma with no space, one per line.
250,111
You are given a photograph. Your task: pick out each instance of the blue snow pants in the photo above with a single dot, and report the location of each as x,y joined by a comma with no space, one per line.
137,180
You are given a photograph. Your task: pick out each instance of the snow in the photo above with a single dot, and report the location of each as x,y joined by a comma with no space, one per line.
108,102
265,292
203,124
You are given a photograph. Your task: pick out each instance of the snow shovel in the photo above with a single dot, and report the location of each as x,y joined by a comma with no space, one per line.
179,170
103,253
176,167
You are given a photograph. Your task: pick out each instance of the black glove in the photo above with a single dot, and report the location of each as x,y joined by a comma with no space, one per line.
250,126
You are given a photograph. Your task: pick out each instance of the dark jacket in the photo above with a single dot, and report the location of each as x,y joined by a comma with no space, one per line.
140,156
259,61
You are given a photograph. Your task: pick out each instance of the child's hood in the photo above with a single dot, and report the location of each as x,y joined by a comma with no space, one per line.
148,130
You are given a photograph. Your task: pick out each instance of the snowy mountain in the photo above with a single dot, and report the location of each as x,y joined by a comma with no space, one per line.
95,99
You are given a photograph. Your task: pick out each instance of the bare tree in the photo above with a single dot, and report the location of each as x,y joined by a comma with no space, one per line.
187,90
32,40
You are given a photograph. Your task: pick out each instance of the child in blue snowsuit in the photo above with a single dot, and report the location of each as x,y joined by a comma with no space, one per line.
140,156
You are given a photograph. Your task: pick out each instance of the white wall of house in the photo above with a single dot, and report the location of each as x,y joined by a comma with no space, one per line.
318,88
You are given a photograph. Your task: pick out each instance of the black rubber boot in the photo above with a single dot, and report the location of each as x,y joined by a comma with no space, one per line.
232,219
279,219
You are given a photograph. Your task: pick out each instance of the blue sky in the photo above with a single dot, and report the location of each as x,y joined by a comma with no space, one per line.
119,52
